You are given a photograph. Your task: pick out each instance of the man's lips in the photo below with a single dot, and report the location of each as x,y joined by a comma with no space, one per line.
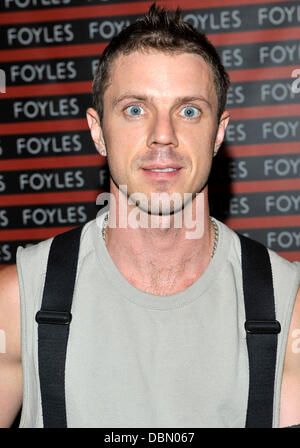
152,173
156,166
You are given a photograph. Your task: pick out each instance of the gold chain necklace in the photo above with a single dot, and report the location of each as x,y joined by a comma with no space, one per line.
215,226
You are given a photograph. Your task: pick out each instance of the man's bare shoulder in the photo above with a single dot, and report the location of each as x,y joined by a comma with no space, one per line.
10,356
296,312
290,390
9,285
293,348
9,276
10,310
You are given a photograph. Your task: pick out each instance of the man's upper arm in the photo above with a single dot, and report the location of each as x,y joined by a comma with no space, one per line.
293,345
290,389
10,347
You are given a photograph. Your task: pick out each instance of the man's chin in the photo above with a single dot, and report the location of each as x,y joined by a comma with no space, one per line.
161,204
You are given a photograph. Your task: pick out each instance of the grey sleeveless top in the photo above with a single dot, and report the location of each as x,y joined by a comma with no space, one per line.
140,360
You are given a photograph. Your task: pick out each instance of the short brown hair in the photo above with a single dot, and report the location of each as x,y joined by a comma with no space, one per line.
160,30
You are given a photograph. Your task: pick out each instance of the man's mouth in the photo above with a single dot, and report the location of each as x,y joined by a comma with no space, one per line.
167,167
161,173
162,170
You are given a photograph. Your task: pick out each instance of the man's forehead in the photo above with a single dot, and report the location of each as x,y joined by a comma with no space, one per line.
148,57
150,72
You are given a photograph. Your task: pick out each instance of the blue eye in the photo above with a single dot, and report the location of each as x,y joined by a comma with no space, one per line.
191,112
135,110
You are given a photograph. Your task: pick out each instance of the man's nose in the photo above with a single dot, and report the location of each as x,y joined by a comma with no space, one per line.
162,131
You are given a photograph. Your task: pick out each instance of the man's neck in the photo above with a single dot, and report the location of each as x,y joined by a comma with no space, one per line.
161,261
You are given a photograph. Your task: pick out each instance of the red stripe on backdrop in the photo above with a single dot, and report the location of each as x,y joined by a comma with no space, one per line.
284,110
48,89
36,163
263,222
31,234
261,150
79,12
69,51
250,37
258,186
290,255
111,10
256,74
189,4
33,127
49,198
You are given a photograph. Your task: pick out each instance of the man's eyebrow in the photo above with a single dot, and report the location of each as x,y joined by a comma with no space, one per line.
178,100
190,99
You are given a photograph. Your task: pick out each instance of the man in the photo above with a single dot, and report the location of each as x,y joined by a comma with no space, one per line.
157,336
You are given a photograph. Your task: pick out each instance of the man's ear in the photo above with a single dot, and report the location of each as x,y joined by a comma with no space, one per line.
221,131
96,130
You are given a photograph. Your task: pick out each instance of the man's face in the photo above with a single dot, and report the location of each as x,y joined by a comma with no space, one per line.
160,113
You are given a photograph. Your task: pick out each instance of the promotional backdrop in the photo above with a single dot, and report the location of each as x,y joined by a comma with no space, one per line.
50,173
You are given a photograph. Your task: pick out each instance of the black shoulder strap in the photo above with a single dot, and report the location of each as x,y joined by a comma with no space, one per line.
53,325
261,332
